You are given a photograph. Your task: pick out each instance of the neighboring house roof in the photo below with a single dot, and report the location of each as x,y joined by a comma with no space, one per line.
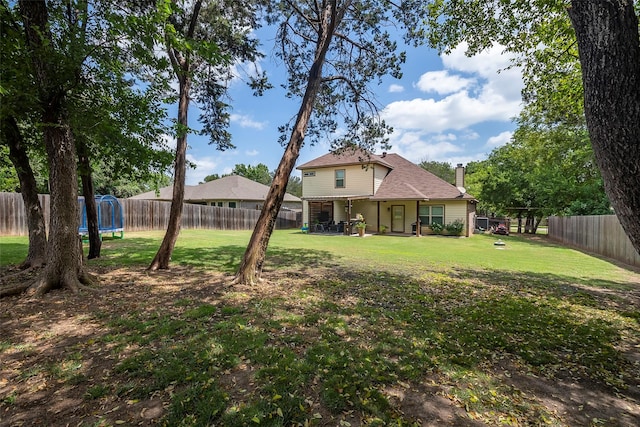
232,187
165,193
404,181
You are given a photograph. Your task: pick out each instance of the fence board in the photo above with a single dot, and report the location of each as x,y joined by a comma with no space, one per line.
147,215
599,234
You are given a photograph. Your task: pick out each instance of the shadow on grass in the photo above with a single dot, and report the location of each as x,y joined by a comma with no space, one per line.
541,319
372,328
338,342
224,258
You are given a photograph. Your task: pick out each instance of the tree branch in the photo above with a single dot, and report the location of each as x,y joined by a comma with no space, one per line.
352,42
194,19
309,21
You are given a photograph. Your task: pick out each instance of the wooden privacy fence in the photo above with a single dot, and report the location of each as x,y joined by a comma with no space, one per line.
600,234
144,215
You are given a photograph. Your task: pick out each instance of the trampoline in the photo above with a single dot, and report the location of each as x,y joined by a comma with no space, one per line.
110,217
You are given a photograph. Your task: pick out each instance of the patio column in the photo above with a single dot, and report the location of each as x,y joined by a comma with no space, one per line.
347,226
417,218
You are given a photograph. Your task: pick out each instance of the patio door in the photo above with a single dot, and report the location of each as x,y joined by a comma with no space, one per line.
397,219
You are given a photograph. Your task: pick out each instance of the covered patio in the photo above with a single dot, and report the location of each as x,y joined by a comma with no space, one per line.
333,214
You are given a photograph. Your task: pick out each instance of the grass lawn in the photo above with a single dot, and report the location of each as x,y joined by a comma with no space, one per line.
346,331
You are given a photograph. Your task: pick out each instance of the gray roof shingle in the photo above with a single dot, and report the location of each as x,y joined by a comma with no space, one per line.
409,181
232,187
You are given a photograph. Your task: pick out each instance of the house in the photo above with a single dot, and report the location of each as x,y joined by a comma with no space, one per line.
231,191
388,190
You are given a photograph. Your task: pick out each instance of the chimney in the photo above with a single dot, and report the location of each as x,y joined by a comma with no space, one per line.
460,176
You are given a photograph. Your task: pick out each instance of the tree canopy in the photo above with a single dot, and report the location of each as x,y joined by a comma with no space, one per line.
540,173
443,170
556,41
258,173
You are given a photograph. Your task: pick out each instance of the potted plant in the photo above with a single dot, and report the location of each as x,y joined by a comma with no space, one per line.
360,225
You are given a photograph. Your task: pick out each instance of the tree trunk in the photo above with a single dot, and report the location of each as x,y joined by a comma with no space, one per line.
536,224
609,47
250,268
528,227
64,264
37,254
163,256
95,242
182,67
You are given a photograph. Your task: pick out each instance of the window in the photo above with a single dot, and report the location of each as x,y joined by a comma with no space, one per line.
220,204
340,178
232,204
431,215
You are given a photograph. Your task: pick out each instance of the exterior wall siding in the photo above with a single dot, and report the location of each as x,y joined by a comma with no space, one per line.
379,172
455,210
357,181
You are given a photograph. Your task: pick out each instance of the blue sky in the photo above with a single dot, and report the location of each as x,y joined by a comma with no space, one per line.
450,108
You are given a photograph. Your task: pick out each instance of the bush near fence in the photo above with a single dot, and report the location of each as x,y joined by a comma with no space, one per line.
146,215
599,234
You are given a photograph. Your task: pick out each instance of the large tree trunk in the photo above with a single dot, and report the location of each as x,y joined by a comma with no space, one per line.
182,67
95,243
609,46
251,266
163,256
64,264
36,256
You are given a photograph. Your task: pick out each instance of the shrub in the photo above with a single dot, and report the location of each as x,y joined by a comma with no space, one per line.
455,228
436,227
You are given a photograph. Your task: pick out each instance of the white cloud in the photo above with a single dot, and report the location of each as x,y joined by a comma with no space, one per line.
417,146
204,166
499,140
487,95
394,88
486,63
252,153
470,135
441,82
168,142
457,111
241,71
247,122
